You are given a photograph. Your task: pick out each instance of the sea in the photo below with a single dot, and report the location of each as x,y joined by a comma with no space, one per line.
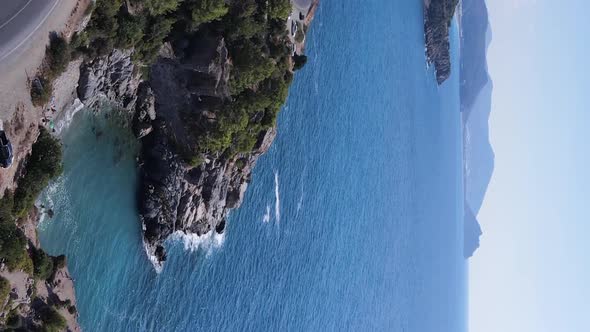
353,220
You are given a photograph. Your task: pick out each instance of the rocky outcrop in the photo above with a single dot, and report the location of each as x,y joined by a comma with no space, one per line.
175,196
437,21
145,111
193,200
112,77
183,114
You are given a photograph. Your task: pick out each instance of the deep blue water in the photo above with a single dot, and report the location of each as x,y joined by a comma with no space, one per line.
368,235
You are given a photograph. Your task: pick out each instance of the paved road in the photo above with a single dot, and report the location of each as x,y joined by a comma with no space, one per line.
19,19
302,4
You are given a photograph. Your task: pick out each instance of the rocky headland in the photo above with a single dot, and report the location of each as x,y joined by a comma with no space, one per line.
438,15
204,107
202,87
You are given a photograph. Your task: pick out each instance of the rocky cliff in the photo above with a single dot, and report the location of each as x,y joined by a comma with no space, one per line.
190,197
204,110
437,21
173,195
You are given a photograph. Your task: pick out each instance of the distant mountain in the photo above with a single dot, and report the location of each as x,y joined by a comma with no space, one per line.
476,37
472,232
476,105
478,152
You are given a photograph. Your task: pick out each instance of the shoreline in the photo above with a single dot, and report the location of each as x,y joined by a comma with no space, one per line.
20,118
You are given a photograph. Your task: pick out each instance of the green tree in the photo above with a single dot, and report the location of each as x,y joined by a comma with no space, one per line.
52,320
42,264
130,30
204,11
41,89
6,207
4,291
279,9
244,21
12,246
149,46
299,35
57,56
251,66
159,7
43,165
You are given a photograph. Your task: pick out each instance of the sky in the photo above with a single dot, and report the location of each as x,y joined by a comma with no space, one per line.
532,271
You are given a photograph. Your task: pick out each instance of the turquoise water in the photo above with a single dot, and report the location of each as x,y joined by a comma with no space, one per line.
368,234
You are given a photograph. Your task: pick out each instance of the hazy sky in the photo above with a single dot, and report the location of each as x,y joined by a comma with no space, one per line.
532,272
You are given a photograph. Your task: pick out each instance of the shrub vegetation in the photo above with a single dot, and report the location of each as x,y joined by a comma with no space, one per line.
57,57
42,263
52,321
4,291
43,165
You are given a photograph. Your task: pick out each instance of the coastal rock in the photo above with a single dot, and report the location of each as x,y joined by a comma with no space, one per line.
175,196
145,111
194,200
112,77
437,21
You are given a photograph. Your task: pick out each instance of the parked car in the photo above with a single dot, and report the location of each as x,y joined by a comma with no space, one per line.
6,156
293,28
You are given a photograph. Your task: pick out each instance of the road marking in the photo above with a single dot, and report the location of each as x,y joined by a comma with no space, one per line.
15,15
32,32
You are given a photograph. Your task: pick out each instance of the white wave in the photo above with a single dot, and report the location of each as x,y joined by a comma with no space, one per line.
266,217
64,119
277,198
300,202
193,242
46,201
153,259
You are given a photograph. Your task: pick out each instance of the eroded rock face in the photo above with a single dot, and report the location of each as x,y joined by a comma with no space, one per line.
194,200
176,197
145,111
112,77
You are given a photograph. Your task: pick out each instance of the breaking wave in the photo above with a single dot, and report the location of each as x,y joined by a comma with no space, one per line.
193,242
277,198
266,217
63,121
